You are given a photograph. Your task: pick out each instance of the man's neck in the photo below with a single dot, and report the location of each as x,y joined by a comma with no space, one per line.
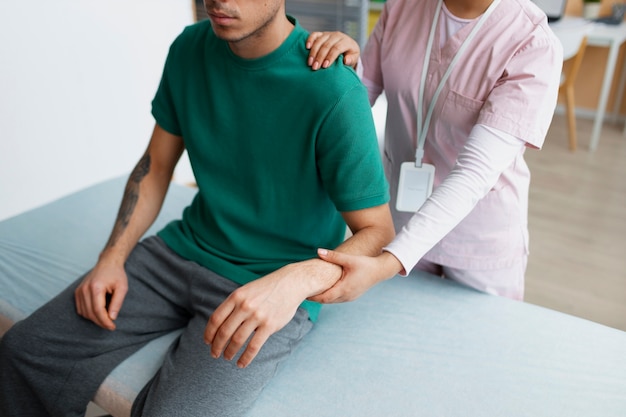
467,9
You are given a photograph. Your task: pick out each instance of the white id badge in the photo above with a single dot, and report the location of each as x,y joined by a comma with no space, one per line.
415,186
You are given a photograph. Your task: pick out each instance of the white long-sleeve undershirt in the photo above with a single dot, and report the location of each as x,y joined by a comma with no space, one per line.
487,153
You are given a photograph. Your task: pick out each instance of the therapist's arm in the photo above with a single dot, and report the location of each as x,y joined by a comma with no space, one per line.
487,153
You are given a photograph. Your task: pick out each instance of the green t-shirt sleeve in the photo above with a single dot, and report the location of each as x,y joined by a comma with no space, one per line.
349,158
163,109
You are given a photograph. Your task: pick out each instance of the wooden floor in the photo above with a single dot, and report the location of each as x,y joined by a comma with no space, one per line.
577,221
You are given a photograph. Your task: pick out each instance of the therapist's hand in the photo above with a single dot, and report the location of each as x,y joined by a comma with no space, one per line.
360,273
262,307
325,48
91,295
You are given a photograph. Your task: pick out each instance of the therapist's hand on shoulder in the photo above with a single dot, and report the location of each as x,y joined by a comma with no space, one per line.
325,48
360,273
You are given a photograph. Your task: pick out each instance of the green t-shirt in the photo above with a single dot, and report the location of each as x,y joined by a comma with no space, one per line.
277,151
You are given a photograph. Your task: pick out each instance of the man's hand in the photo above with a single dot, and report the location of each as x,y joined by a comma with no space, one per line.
91,295
262,307
325,48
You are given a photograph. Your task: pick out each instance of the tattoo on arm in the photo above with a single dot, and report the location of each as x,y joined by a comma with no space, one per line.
129,201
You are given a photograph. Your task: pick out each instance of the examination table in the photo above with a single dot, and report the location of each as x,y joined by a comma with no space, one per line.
414,346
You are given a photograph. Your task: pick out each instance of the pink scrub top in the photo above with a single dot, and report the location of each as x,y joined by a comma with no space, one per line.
507,79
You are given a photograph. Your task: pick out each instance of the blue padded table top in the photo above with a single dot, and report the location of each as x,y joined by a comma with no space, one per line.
51,246
415,346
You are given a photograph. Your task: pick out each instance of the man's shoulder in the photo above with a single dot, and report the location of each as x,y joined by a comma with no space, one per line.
338,78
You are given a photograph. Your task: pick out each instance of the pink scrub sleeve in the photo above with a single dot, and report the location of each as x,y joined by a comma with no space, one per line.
487,153
526,92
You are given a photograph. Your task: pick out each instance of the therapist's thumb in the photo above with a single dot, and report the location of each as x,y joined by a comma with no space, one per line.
334,257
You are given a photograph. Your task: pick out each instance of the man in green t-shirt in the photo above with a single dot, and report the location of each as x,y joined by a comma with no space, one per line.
284,157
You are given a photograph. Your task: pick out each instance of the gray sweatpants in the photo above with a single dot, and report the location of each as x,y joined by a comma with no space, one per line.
52,363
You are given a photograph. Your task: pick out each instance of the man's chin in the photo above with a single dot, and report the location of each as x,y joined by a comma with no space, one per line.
225,33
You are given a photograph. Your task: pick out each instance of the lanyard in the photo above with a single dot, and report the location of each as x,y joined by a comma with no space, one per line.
423,125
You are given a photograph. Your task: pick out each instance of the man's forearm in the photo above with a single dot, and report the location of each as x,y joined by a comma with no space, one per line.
367,241
129,200
372,228
140,205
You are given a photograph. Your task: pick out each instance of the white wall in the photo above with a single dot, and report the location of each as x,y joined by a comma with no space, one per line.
76,81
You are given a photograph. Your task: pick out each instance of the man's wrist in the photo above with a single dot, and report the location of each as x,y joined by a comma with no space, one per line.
112,257
317,275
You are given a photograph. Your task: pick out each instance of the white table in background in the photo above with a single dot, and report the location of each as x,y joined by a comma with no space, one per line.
602,35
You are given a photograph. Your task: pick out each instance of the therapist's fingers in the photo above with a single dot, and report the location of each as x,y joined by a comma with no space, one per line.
336,293
325,48
344,260
330,296
313,37
359,273
318,49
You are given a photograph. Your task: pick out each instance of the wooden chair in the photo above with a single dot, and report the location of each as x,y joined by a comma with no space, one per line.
574,44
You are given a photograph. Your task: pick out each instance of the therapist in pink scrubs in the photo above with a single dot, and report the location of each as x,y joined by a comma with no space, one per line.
470,84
